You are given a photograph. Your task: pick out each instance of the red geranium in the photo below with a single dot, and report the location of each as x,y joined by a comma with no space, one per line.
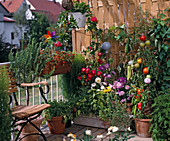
94,19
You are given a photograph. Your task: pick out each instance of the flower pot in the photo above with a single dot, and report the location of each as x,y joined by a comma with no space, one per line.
80,18
142,127
28,129
56,125
59,69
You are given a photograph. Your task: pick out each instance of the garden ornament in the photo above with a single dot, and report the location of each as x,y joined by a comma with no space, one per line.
106,46
67,4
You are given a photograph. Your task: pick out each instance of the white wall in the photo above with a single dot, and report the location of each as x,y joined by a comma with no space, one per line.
6,28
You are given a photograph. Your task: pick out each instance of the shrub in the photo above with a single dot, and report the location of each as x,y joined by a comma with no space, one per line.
160,117
5,115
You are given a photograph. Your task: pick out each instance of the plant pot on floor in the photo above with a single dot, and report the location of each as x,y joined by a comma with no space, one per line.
80,18
28,129
56,125
142,127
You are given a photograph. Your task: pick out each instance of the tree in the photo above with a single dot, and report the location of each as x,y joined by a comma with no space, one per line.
38,26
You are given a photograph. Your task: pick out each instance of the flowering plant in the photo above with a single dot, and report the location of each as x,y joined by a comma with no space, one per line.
122,90
56,56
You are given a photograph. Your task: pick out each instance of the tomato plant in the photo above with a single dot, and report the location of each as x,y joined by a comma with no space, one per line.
142,38
139,60
145,70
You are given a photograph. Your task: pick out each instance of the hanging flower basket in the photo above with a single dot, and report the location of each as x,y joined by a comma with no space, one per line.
59,68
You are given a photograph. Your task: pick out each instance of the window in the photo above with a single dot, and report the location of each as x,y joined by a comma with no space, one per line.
12,35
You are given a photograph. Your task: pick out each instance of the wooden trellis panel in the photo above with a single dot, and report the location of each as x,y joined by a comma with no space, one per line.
115,12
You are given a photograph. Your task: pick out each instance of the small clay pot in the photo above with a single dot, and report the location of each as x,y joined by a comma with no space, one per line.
142,127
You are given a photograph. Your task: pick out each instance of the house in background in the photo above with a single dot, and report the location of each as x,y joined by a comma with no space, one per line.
11,33
7,27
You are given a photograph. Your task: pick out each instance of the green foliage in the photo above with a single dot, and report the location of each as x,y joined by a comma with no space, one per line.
38,26
5,114
27,64
70,82
160,126
80,7
4,51
58,109
116,113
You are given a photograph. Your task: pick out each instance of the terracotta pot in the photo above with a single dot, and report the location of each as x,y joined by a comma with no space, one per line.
56,125
30,129
142,127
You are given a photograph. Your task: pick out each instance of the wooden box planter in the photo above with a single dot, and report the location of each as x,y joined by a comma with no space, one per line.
91,121
59,69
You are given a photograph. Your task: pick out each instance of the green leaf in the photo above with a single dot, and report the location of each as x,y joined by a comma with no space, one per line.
165,47
166,78
168,63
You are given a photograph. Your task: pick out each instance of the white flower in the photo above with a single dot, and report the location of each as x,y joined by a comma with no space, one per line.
102,87
98,80
129,129
104,83
93,85
115,129
110,128
88,132
98,90
73,140
70,135
109,133
99,136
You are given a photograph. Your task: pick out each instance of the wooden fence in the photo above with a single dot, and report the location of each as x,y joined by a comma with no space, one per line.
115,12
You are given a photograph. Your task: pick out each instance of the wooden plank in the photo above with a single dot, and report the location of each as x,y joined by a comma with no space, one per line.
137,10
126,11
106,13
115,16
121,15
74,40
111,9
100,13
160,4
95,10
143,4
131,14
167,5
148,6
154,10
78,41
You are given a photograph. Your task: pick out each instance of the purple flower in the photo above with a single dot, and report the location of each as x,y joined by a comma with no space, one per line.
121,93
128,98
107,65
131,95
119,85
123,100
127,87
102,68
122,80
113,73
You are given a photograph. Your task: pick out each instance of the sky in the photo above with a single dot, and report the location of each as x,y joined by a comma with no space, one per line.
59,1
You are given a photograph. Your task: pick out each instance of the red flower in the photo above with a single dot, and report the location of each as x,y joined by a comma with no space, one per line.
98,73
100,61
87,70
83,69
79,77
90,75
57,44
93,72
90,48
94,19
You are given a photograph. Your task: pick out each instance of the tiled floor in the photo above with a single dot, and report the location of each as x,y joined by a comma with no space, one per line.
78,131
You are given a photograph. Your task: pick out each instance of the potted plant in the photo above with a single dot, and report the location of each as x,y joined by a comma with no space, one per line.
57,115
80,11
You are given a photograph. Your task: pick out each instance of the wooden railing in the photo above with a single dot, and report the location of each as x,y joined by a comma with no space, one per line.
115,12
